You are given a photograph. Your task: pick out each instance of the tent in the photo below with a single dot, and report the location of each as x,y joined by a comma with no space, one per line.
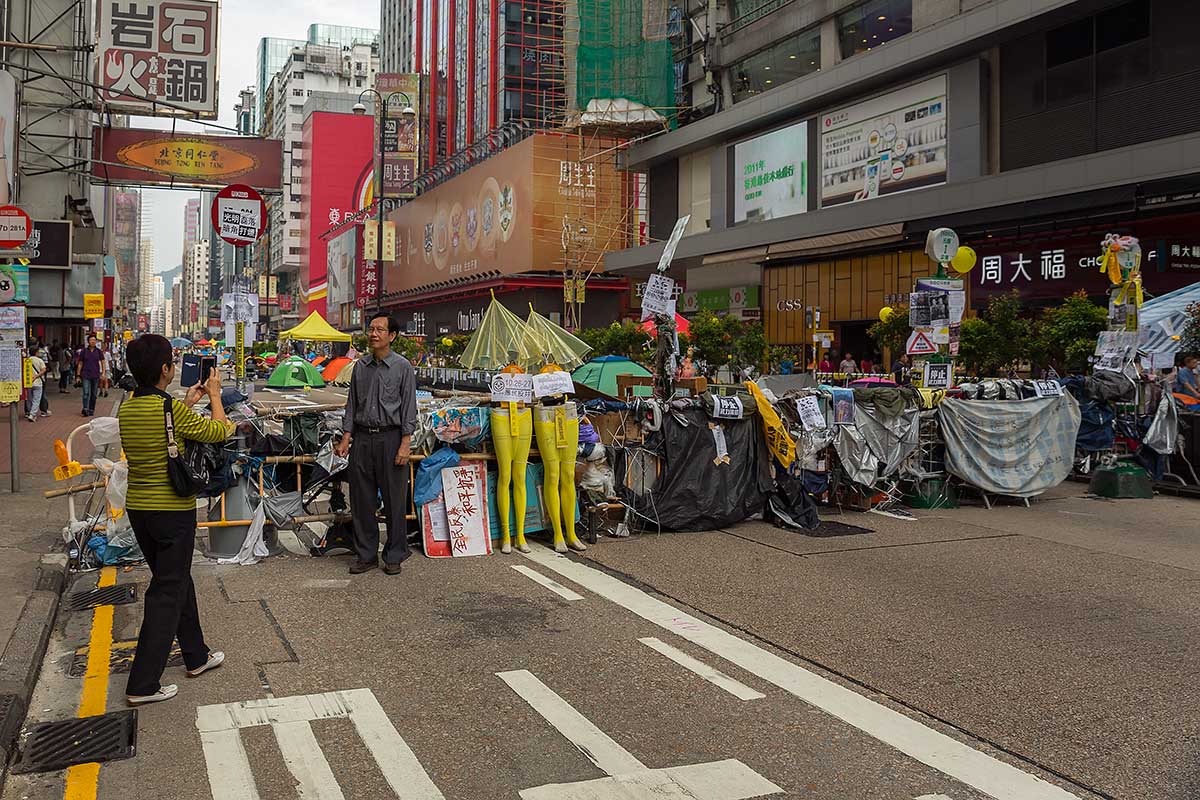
681,325
330,371
315,329
343,375
1162,319
295,372
181,342
601,373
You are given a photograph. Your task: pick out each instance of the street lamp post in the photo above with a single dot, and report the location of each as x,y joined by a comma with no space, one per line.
409,114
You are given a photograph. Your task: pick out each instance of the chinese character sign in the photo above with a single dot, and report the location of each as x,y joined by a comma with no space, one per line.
158,51
401,92
465,490
367,281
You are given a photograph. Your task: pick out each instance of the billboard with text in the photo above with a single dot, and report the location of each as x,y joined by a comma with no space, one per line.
137,156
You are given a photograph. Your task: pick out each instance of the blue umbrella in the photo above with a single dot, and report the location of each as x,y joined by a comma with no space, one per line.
181,342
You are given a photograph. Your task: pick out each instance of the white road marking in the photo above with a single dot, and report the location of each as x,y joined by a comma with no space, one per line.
627,776
229,774
549,583
934,797
304,759
714,676
933,748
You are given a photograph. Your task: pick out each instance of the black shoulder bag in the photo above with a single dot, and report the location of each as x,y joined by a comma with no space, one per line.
190,471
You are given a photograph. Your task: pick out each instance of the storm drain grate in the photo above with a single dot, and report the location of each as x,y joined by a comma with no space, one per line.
57,745
108,596
120,658
827,528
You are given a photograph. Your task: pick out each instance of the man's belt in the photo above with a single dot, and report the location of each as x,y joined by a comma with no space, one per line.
380,429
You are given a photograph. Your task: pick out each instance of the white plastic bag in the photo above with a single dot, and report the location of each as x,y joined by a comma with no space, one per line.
104,431
118,483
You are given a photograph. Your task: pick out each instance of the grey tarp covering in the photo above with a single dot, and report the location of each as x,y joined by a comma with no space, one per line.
1018,448
1164,429
875,441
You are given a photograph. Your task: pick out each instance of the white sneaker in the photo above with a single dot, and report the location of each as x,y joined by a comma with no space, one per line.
163,693
31,417
215,659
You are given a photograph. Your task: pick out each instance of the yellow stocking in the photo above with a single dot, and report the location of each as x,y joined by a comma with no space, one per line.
512,441
556,427
568,446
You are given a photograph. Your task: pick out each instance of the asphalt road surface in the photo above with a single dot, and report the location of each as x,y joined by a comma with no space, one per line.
1020,654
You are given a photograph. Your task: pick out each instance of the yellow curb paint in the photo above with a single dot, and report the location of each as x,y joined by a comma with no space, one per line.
83,779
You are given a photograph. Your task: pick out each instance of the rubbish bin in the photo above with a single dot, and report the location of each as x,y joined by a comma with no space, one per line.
226,541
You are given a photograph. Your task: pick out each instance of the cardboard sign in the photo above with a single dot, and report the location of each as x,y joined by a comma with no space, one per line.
93,306
938,376
727,407
512,388
1047,388
547,384
435,531
920,344
809,409
658,296
465,490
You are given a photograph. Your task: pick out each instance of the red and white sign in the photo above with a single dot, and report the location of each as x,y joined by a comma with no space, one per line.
239,215
921,343
158,51
464,488
15,227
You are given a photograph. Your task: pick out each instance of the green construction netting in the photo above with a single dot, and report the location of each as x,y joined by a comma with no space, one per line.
614,59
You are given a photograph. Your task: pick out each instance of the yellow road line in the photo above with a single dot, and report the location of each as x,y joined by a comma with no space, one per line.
83,779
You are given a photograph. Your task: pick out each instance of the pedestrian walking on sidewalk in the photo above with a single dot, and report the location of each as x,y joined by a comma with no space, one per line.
381,415
66,368
90,364
35,389
163,522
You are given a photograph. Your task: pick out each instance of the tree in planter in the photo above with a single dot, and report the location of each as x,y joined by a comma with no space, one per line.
1190,340
618,339
996,341
1065,336
892,335
750,345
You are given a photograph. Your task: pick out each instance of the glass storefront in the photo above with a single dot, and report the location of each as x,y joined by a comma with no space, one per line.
783,61
872,24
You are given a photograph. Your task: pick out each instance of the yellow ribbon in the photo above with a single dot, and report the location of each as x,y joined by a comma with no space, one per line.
513,427
560,426
1110,265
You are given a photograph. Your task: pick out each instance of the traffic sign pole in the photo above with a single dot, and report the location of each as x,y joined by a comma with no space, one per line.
240,355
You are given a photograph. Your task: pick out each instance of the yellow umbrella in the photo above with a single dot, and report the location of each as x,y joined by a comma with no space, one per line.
547,343
498,342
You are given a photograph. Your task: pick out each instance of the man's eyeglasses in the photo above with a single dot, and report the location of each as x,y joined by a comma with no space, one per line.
380,331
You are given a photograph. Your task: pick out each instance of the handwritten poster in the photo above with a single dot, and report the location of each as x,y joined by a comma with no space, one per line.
464,488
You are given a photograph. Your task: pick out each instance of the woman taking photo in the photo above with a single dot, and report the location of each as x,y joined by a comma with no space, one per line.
163,522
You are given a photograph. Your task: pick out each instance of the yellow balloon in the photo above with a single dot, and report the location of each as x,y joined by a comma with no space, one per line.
886,313
964,260
447,342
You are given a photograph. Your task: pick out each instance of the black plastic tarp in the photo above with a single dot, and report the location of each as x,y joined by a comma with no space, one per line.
693,492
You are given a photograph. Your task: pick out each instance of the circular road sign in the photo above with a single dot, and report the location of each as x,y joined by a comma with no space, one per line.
239,215
15,227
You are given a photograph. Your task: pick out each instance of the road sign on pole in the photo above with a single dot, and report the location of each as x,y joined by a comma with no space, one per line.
15,227
239,215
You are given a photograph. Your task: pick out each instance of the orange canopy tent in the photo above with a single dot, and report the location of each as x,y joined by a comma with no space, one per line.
331,370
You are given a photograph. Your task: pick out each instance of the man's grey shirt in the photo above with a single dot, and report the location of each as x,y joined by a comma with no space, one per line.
383,394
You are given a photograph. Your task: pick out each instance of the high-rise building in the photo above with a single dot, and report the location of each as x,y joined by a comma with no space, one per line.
194,289
176,314
126,236
191,224
146,274
396,20
311,69
245,109
274,52
157,291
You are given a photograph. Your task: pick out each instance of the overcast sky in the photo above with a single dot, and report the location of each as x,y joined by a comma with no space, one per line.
243,23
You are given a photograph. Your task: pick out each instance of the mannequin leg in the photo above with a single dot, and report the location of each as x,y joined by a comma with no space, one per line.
520,462
502,439
566,456
543,428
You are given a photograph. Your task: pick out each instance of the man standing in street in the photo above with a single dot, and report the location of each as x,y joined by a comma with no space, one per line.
66,365
381,415
90,365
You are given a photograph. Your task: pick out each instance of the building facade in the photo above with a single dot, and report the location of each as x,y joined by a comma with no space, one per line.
194,290
310,69
146,275
823,140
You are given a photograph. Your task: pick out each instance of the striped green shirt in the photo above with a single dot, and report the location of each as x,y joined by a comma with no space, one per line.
144,440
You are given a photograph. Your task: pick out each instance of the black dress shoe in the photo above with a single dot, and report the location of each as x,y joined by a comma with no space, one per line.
359,567
391,569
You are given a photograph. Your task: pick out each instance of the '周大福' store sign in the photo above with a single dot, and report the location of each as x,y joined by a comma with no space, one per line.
1053,271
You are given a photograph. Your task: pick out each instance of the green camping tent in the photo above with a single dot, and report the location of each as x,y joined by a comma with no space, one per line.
601,373
294,372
